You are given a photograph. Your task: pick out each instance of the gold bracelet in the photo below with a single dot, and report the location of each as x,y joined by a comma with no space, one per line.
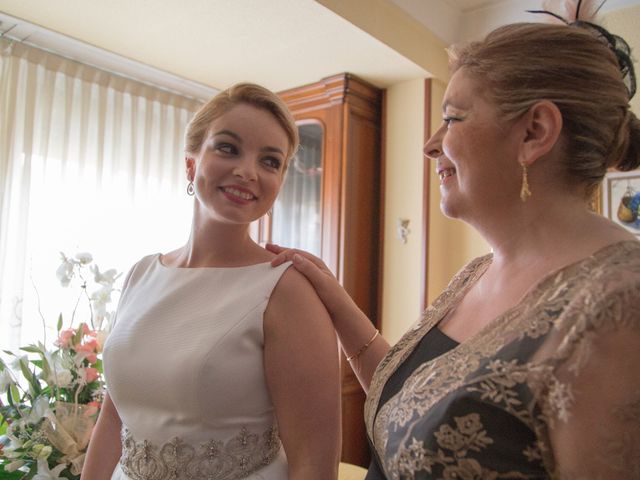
364,347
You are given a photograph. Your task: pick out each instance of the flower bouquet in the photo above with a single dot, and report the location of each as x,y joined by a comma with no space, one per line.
50,397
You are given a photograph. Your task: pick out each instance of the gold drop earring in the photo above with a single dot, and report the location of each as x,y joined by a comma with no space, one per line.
525,193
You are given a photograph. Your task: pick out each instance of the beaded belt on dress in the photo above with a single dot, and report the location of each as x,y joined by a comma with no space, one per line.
214,460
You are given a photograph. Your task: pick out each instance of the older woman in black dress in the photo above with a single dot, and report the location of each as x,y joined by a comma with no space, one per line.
526,365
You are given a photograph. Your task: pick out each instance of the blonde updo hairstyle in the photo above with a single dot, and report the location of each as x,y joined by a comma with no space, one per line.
522,64
241,93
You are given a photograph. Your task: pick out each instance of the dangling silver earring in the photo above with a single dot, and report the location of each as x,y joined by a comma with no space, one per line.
190,190
270,212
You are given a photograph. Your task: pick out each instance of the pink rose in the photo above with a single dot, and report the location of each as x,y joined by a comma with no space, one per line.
87,331
91,374
64,340
89,349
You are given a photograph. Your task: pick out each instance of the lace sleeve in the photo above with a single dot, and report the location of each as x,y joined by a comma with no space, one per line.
595,431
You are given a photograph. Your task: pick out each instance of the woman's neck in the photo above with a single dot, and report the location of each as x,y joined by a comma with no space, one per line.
559,230
217,244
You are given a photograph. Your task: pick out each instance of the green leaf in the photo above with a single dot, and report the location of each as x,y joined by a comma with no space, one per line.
31,349
45,367
77,338
37,388
34,384
24,368
14,396
98,365
4,475
9,353
59,326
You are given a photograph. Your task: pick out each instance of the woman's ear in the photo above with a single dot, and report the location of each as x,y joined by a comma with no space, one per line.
543,124
190,164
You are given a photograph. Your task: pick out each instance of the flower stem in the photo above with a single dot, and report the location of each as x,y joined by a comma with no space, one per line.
44,322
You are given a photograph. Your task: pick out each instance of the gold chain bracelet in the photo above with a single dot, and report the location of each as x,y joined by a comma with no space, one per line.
364,347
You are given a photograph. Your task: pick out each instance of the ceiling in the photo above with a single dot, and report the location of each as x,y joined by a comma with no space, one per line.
198,46
467,5
280,44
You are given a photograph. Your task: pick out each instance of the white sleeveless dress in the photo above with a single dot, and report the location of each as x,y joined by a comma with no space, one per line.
185,369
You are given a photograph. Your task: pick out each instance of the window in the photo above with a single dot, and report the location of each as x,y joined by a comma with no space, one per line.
89,161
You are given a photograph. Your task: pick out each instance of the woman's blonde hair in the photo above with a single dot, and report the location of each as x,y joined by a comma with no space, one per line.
241,93
576,69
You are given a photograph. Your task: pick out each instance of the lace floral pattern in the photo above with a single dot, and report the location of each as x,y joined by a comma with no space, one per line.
454,444
214,460
519,375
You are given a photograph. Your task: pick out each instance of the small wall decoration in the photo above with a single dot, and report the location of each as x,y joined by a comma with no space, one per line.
621,199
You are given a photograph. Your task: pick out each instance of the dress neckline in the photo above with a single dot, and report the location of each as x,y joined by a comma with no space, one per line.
436,329
158,261
532,291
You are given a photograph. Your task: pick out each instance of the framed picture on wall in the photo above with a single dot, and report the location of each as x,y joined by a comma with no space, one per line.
621,199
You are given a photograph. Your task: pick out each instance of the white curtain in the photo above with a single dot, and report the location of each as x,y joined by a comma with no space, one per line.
297,213
89,161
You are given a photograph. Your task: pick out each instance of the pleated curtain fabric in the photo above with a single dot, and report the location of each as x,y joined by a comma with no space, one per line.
89,160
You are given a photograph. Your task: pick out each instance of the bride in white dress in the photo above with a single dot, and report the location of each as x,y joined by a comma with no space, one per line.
219,366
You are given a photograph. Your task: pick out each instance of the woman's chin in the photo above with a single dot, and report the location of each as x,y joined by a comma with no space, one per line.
449,208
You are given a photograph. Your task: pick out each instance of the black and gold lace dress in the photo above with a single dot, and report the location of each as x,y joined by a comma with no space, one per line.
550,389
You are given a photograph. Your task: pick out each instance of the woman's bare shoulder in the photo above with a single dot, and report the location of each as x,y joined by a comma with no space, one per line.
294,300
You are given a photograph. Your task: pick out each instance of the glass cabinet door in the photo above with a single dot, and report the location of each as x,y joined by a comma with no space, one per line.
297,213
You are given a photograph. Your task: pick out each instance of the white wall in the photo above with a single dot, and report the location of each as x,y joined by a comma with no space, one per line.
403,199
626,23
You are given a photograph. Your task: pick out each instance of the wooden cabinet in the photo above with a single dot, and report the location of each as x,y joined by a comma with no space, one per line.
349,112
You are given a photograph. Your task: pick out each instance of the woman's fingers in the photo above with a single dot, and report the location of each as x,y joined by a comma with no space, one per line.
316,275
272,247
282,254
287,254
322,280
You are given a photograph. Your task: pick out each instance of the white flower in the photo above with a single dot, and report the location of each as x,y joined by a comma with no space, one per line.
61,378
60,370
99,300
45,474
79,359
84,258
20,361
15,444
101,335
65,271
13,466
104,278
5,380
39,409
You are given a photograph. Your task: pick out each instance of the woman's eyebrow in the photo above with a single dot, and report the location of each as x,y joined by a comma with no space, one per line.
449,103
229,133
273,149
239,139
